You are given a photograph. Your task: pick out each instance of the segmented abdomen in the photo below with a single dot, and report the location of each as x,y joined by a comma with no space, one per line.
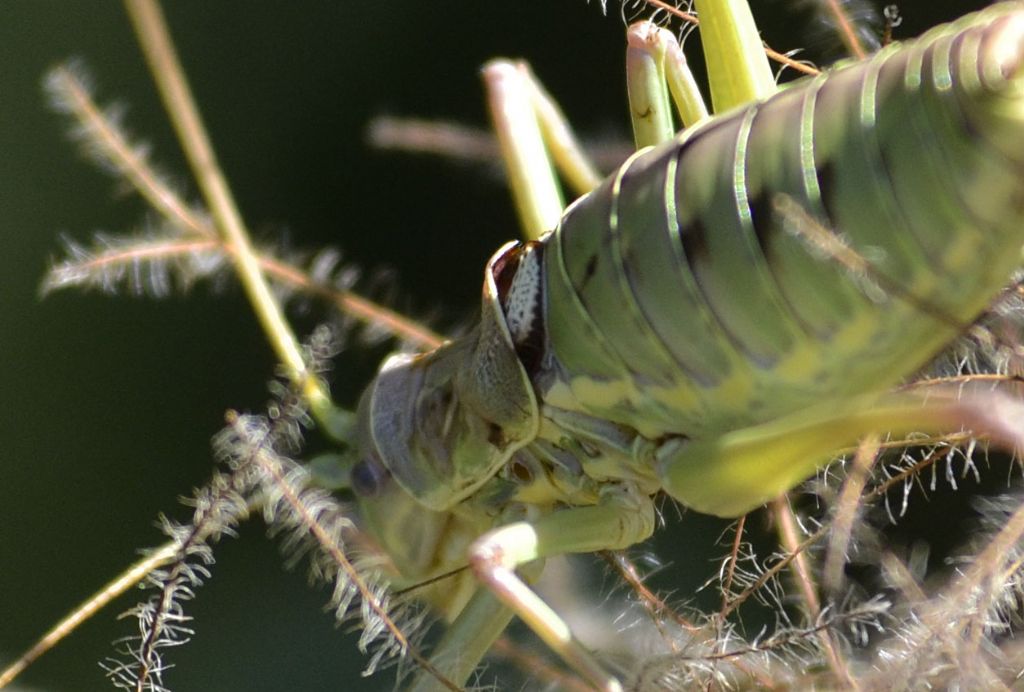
825,242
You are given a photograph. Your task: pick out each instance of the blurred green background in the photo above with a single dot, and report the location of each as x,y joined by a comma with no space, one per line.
107,405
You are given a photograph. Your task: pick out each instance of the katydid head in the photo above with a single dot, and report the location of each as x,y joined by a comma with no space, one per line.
443,423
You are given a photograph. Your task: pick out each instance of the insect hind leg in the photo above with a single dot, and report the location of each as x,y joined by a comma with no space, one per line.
736,472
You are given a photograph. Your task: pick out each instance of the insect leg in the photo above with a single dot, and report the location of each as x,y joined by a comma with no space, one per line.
623,517
531,177
533,134
734,473
738,69
571,161
466,641
737,65
655,61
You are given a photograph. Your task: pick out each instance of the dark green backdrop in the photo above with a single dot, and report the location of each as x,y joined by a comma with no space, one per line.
107,405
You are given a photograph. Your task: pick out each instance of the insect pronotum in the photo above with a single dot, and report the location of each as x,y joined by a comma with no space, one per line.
231,402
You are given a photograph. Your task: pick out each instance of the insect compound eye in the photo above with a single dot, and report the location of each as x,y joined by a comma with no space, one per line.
368,477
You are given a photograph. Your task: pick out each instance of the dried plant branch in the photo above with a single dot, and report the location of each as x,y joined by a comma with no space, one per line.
219,506
116,587
787,527
950,638
541,671
764,578
784,659
845,514
104,141
177,96
464,143
188,247
730,572
845,28
259,474
315,523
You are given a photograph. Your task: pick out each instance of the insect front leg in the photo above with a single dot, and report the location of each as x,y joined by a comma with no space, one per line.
623,518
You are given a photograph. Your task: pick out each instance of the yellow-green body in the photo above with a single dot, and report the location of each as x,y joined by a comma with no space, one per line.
683,299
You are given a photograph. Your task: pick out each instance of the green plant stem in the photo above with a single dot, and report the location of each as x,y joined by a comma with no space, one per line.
151,29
